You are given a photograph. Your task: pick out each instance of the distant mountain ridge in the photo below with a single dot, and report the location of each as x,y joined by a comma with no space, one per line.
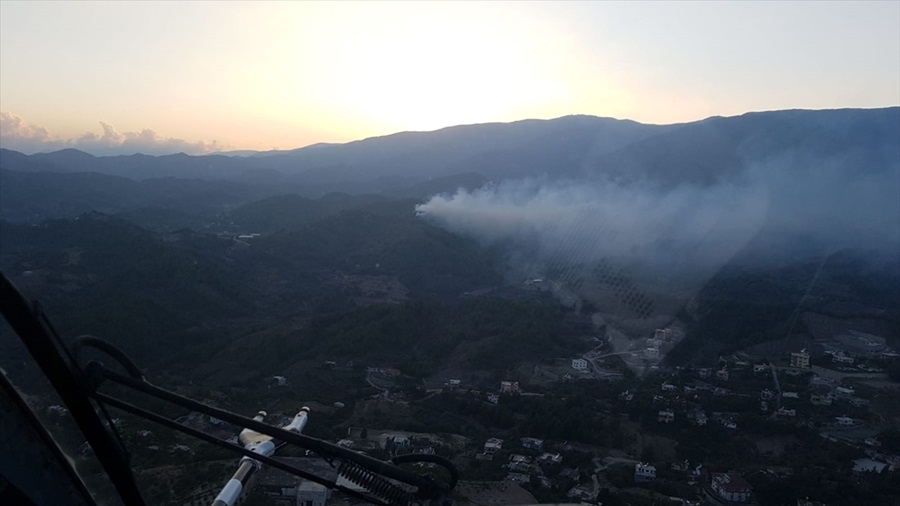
566,145
417,156
420,164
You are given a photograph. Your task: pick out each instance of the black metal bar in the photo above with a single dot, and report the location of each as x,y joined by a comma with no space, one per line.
172,424
317,445
51,458
71,385
77,387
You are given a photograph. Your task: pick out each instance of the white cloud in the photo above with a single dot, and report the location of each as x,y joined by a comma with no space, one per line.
17,134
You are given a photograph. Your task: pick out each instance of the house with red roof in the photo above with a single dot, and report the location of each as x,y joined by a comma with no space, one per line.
729,489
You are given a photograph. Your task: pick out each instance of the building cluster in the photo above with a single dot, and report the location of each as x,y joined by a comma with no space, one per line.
795,388
526,460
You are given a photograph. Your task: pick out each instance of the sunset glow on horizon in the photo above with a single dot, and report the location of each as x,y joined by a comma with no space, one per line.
206,76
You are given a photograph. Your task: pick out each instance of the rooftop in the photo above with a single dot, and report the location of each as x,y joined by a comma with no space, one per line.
731,482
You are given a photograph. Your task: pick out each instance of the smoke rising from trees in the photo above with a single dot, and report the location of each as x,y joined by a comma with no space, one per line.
674,238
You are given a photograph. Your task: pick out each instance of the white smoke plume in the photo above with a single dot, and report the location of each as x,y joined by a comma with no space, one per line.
648,242
585,222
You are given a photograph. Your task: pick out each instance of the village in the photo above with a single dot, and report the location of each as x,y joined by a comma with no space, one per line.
836,395
669,436
745,431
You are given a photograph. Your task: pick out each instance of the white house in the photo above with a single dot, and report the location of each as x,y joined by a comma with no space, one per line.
840,358
519,459
843,421
800,359
579,364
859,402
493,445
401,442
509,387
844,391
644,472
551,458
664,334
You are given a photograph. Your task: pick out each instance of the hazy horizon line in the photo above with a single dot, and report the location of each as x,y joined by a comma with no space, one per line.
239,153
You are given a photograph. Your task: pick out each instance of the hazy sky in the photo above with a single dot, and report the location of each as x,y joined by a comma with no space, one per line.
197,77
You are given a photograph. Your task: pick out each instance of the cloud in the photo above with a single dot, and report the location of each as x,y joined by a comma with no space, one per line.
17,134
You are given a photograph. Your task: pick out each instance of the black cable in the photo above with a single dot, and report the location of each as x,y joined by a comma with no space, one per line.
110,349
316,445
172,424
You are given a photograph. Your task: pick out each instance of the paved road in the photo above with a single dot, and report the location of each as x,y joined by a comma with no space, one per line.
599,370
601,464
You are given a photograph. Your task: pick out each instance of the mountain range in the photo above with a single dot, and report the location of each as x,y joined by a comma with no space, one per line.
418,164
645,223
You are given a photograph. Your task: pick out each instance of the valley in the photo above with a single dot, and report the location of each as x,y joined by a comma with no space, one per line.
557,338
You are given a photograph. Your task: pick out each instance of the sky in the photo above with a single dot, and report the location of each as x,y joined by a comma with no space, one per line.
200,77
